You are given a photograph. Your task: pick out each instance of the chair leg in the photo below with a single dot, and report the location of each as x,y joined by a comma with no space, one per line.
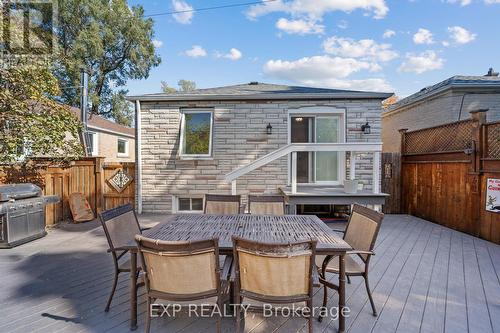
370,295
325,300
148,316
348,279
238,318
310,319
219,318
115,282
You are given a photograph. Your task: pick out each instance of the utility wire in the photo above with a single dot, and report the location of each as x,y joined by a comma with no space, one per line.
211,8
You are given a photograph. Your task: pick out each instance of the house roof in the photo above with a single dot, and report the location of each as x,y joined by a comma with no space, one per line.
100,123
458,81
260,91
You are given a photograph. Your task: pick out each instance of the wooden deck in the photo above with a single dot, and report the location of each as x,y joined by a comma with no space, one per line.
425,278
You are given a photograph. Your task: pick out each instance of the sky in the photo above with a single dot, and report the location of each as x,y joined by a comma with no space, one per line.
374,45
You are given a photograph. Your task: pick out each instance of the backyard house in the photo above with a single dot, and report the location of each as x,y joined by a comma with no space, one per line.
114,142
256,139
447,101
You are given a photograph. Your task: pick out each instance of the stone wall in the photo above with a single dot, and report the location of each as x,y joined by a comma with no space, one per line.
239,137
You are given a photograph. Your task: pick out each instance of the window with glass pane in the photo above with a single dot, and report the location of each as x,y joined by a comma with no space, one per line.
327,163
190,204
197,134
122,146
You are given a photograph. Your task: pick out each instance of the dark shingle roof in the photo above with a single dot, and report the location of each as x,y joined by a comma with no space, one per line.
257,90
452,82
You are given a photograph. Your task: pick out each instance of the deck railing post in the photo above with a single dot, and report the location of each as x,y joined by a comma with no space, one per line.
376,172
294,172
352,166
233,187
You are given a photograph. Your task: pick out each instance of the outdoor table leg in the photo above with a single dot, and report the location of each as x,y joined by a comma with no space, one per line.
133,290
342,278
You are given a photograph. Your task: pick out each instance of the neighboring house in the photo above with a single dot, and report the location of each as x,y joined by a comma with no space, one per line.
108,139
448,101
242,139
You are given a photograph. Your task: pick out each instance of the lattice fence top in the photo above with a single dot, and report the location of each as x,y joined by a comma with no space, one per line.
493,133
445,138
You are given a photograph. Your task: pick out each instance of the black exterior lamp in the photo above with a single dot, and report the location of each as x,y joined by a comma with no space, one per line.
269,129
366,128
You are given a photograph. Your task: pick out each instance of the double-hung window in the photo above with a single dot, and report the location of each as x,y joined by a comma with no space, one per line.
196,133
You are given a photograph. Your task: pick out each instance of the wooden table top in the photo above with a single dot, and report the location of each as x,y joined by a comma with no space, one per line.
263,228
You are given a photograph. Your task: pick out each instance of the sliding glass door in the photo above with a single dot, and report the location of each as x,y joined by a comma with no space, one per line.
318,167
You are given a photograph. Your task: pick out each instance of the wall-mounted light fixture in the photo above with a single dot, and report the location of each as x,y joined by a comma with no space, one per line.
269,129
366,128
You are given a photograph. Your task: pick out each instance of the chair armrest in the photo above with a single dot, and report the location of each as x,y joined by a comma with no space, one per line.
121,248
361,252
226,268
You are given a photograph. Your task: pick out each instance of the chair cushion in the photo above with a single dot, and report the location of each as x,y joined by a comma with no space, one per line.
351,265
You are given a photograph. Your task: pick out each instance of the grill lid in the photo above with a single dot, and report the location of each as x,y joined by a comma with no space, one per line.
19,191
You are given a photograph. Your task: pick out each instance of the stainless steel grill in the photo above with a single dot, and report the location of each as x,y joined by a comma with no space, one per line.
22,213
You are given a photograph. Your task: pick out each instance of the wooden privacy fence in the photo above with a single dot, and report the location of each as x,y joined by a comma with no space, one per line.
444,172
105,185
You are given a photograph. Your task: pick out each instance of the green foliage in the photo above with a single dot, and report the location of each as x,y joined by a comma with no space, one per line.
110,40
122,111
197,135
187,85
31,123
166,88
184,85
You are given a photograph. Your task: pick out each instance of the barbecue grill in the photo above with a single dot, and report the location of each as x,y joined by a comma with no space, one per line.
22,213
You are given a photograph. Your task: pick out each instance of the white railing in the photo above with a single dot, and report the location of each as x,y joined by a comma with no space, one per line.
293,148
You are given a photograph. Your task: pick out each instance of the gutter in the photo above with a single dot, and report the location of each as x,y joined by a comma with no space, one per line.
138,157
273,97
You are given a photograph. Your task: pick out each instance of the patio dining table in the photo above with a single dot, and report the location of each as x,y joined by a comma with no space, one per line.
263,228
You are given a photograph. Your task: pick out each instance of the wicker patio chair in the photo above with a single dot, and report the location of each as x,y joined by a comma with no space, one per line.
361,233
266,204
273,273
183,272
120,225
222,204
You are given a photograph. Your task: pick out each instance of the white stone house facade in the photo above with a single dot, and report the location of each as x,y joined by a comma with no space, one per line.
246,122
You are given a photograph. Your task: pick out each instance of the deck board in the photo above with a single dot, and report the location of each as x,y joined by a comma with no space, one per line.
424,277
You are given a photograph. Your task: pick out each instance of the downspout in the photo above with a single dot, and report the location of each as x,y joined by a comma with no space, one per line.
138,157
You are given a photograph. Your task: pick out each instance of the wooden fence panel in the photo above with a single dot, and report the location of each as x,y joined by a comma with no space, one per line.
89,176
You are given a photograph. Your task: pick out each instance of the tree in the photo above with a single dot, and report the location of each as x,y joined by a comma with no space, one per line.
187,85
184,85
122,110
32,124
166,88
108,39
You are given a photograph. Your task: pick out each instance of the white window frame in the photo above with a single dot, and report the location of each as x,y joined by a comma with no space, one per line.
126,153
183,113
95,143
176,205
318,112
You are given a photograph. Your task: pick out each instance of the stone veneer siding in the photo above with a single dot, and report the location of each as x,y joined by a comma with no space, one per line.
239,137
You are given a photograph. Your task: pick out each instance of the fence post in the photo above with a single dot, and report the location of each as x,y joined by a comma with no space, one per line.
402,132
99,183
479,120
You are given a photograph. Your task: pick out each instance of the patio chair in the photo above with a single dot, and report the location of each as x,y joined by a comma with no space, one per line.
183,272
120,225
222,204
361,233
273,273
266,204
